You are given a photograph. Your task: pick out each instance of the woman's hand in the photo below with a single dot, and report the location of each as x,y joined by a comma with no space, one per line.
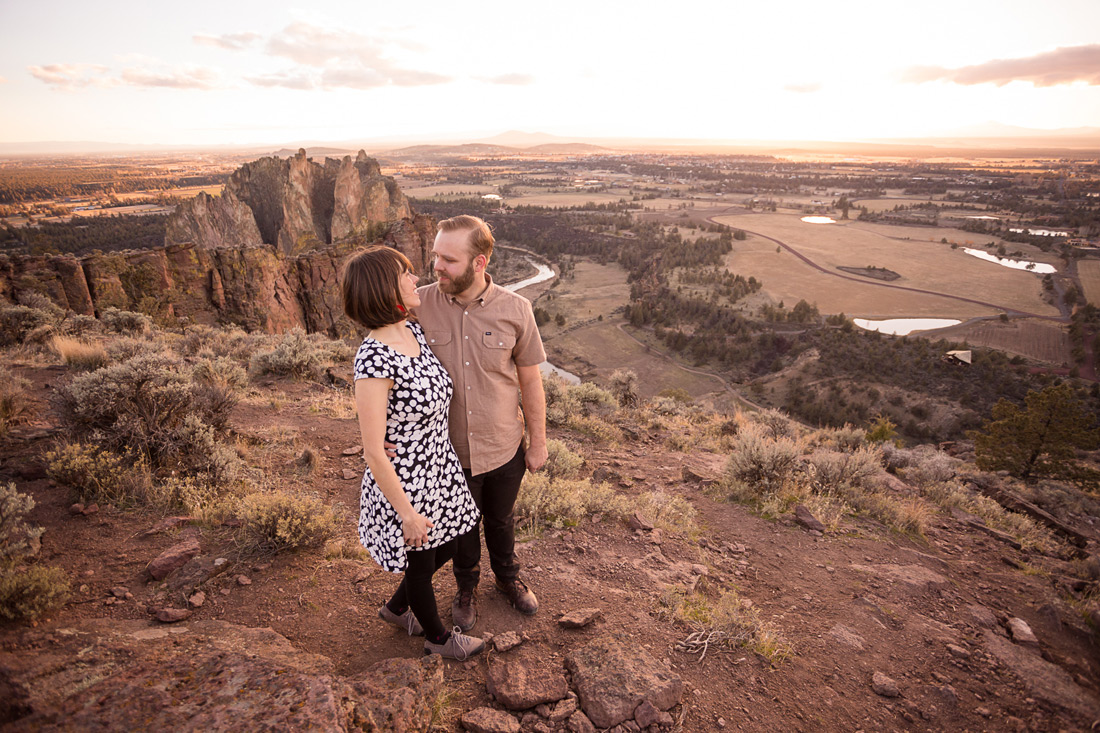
415,529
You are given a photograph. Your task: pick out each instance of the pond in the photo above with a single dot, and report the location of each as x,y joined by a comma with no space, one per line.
1036,267
819,220
905,326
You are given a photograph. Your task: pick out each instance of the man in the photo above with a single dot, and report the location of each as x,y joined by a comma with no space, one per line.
487,339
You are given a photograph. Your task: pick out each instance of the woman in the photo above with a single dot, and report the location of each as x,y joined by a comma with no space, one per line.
411,509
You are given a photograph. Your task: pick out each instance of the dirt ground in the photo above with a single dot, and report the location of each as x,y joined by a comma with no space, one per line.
850,604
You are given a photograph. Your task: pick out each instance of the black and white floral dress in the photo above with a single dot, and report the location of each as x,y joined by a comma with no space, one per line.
426,463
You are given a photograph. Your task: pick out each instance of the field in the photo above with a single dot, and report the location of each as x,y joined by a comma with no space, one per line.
1040,340
447,190
924,265
1089,273
598,348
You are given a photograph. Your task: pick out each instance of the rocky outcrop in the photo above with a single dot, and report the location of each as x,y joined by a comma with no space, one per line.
204,676
294,205
264,255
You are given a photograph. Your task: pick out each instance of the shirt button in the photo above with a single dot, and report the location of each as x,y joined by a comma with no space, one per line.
467,363
433,341
500,343
470,412
467,338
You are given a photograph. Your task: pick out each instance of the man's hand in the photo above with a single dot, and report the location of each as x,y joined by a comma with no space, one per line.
391,451
535,457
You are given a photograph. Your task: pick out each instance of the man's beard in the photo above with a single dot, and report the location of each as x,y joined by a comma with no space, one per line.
459,284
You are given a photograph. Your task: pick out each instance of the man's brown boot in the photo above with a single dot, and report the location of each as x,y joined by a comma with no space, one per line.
519,595
464,609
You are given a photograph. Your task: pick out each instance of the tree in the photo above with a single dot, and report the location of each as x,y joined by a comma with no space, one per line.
1040,438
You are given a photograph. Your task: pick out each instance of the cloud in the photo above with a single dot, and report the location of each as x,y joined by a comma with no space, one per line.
807,88
345,58
72,76
150,74
193,78
286,80
228,41
509,79
1061,66
3,80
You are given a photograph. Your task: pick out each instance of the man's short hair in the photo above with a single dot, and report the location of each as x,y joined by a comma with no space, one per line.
481,235
370,281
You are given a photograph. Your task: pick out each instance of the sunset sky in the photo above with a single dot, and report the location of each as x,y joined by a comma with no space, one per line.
247,72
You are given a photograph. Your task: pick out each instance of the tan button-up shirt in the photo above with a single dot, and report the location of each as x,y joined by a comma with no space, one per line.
481,345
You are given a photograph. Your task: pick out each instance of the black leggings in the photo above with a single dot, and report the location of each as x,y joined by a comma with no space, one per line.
416,592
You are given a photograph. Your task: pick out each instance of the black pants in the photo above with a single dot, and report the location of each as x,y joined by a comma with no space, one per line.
416,591
495,494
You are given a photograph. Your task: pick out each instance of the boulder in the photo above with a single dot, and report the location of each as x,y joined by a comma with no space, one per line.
520,683
1042,679
614,677
803,516
174,558
207,675
395,694
488,720
883,685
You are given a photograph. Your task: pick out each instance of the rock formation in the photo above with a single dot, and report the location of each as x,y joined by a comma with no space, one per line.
264,255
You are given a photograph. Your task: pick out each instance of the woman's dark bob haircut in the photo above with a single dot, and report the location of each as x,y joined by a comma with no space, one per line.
371,284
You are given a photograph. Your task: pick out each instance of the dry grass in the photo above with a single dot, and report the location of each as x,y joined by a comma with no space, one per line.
722,620
1031,535
80,354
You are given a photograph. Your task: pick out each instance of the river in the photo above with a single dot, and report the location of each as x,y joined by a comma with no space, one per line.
544,273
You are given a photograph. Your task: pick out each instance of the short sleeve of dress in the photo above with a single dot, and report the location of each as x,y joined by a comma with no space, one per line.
374,361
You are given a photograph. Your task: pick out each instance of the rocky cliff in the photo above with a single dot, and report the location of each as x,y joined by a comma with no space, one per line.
264,255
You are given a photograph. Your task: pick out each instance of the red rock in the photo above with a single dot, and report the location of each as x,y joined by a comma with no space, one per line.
172,559
172,615
488,720
579,618
520,683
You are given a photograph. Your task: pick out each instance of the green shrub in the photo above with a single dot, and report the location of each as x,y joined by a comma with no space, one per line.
832,470
221,372
76,324
28,591
15,406
562,502
147,404
16,321
761,463
233,342
98,475
18,539
280,521
624,385
561,462
120,321
296,355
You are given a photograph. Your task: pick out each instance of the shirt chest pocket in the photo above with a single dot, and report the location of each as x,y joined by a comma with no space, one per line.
497,349
442,345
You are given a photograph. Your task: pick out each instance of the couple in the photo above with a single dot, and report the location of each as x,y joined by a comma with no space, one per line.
443,382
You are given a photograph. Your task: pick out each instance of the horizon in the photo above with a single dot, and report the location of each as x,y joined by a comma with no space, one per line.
254,75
